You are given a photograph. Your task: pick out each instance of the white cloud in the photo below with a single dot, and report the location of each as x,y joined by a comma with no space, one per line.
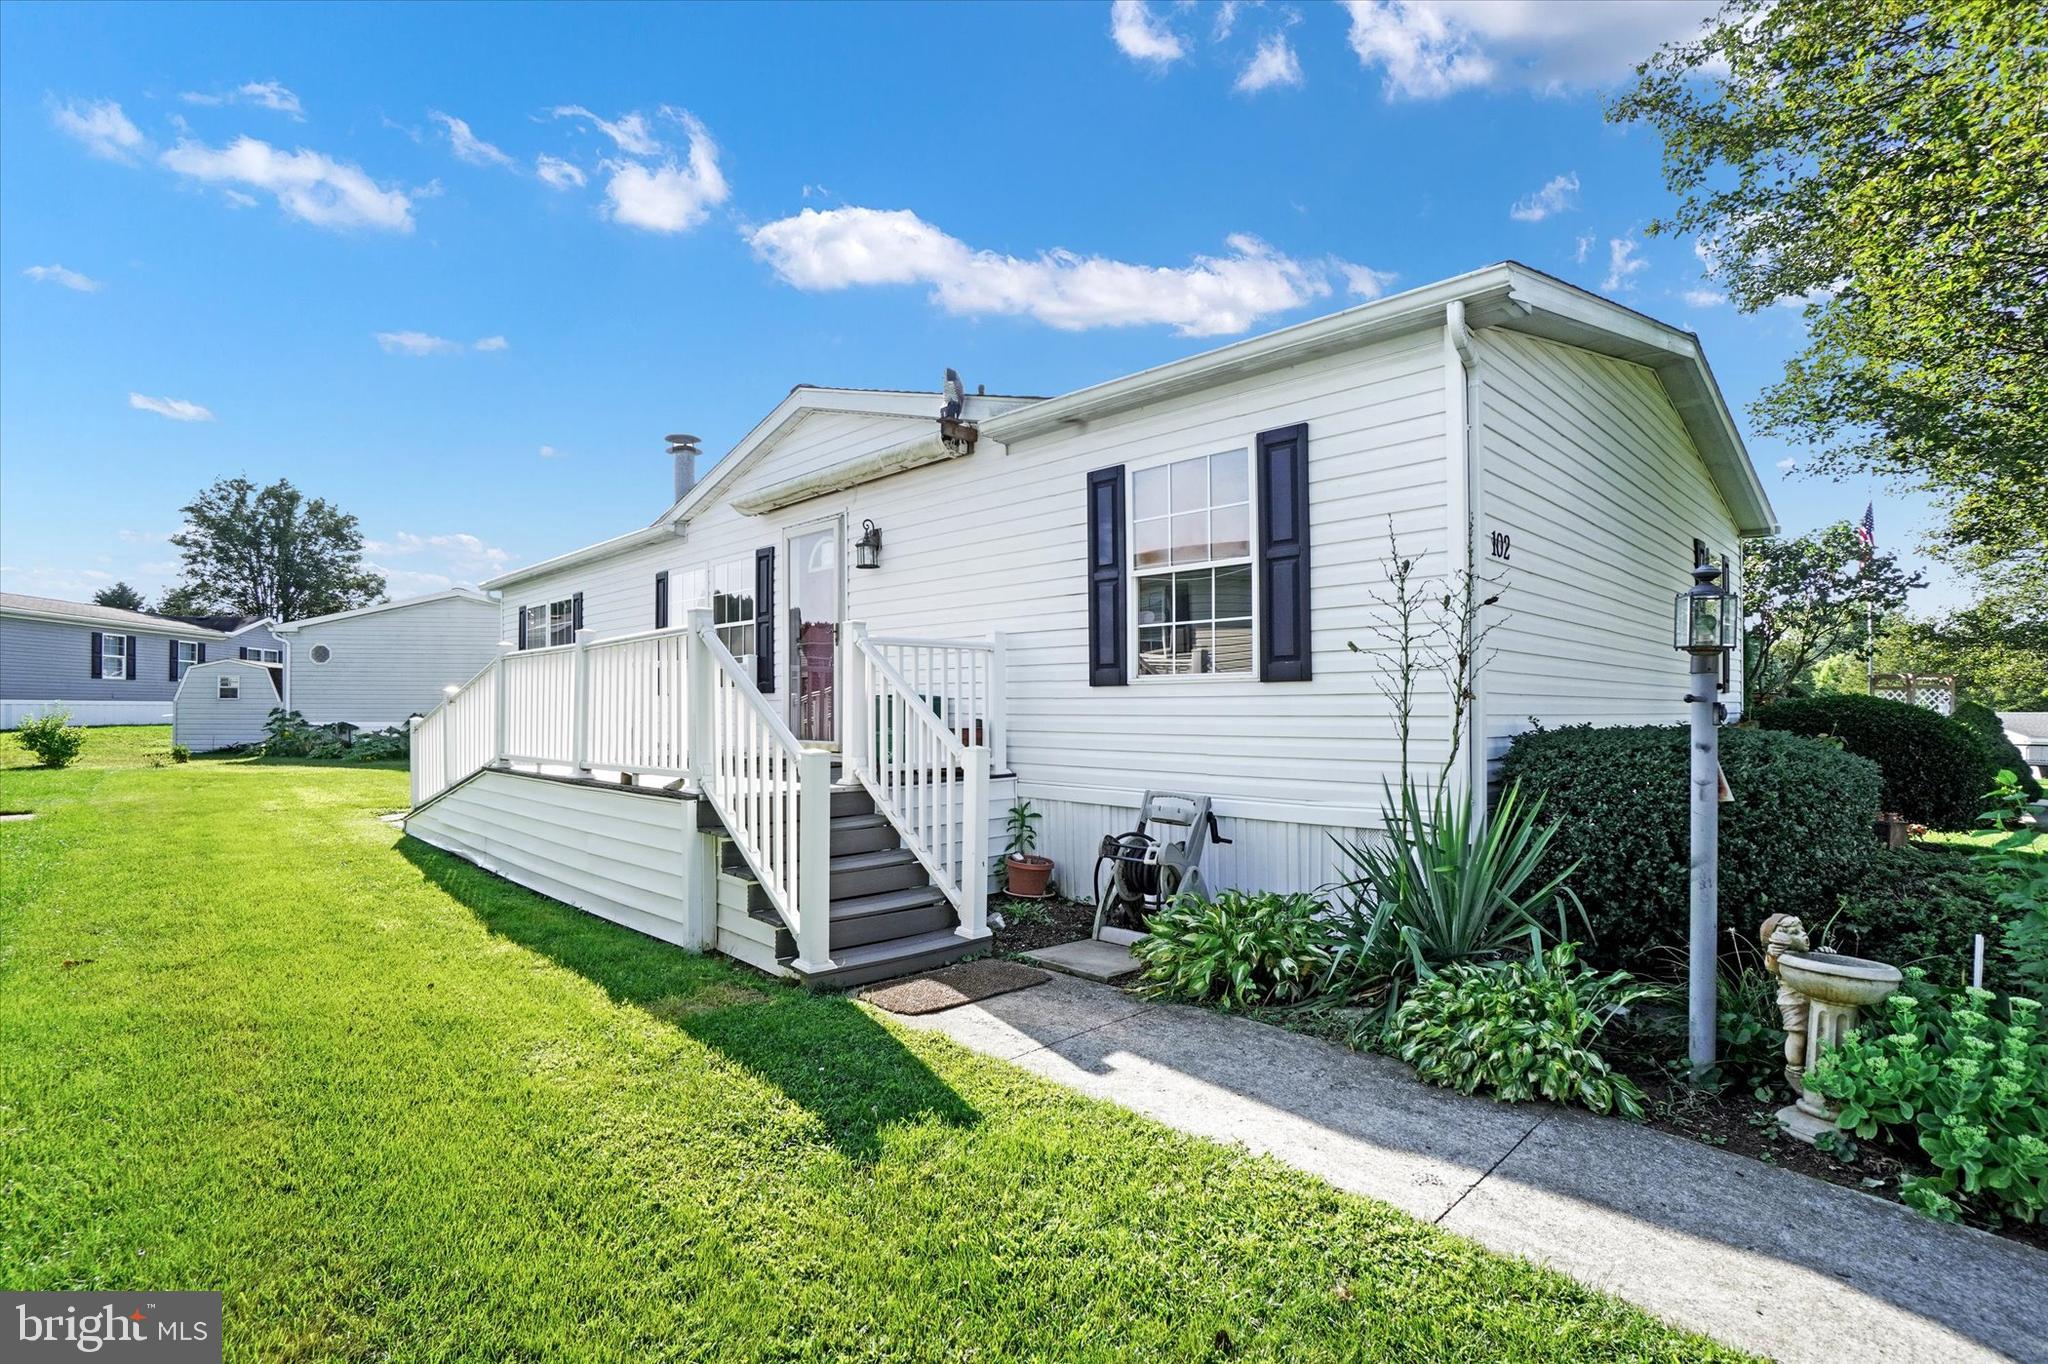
549,452
70,279
1142,36
556,173
412,564
1273,64
668,197
466,145
1705,298
307,185
1787,465
845,247
1226,20
1427,49
101,126
1622,263
177,409
416,343
268,94
1585,248
1555,197
1362,281
237,199
630,133
493,343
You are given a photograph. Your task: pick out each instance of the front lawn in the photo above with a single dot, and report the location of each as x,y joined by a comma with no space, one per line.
398,1109
105,746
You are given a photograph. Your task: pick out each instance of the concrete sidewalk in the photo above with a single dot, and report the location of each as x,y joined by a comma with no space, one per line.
1764,1259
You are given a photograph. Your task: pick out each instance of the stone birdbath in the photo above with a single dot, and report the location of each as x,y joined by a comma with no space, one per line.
1834,989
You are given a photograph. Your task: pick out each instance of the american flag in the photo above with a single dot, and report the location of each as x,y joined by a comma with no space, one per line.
1866,529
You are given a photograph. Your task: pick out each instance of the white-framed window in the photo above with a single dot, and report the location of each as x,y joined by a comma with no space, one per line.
230,687
186,651
266,655
1191,567
732,605
114,656
551,623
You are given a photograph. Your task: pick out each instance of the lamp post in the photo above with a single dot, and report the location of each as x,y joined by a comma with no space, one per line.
1705,622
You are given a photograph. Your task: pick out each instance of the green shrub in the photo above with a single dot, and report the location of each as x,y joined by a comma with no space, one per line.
1522,1030
1918,906
180,753
290,735
1983,721
1937,1071
1800,824
1935,769
1438,888
52,738
1237,951
380,745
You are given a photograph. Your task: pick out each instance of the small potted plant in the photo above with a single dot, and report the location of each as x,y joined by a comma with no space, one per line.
1028,872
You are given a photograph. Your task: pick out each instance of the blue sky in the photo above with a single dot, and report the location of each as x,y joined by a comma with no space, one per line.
459,268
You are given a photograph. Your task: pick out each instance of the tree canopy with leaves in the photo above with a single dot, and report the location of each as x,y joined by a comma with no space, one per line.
1996,649
1809,597
270,552
120,596
1885,161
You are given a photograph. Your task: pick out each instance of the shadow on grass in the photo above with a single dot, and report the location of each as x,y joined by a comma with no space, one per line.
822,1051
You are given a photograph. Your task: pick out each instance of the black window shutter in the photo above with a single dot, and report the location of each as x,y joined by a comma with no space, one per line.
661,600
202,651
95,653
764,620
1107,608
133,652
522,627
576,613
174,661
243,651
1283,555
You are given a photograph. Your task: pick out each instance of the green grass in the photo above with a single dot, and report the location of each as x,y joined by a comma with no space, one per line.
399,1109
2037,842
105,746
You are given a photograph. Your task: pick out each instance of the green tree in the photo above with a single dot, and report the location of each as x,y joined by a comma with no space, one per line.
1887,162
184,600
272,552
120,596
1996,649
1809,597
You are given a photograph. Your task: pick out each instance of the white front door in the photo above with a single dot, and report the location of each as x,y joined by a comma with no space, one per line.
816,592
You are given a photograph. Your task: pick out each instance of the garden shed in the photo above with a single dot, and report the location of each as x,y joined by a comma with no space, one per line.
223,704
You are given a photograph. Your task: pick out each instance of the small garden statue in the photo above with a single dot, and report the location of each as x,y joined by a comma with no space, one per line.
1819,997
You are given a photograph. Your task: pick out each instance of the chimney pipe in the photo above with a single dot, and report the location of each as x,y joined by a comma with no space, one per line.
684,451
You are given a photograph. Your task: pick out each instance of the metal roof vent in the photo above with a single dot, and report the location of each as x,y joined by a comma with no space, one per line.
684,450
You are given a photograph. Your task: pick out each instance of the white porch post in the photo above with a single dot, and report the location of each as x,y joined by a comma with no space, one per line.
854,720
974,847
579,725
501,719
998,737
814,860
413,743
697,696
448,695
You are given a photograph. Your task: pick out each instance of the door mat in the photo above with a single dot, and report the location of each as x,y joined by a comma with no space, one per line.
953,986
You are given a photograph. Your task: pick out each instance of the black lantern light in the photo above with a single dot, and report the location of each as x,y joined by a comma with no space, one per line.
1706,616
867,551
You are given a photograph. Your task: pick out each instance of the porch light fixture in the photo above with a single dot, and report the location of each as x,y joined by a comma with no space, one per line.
1706,616
867,551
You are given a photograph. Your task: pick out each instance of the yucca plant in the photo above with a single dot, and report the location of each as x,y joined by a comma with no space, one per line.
1441,888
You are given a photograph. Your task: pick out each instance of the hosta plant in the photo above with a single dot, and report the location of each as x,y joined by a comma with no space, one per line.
1237,951
1940,1071
1521,1030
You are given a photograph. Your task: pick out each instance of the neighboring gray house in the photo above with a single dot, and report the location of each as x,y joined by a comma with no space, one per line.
379,665
249,637
100,664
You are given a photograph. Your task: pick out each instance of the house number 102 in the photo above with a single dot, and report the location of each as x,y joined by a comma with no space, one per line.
1500,545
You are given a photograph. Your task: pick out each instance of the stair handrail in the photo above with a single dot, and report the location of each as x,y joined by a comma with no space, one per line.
441,755
773,795
914,784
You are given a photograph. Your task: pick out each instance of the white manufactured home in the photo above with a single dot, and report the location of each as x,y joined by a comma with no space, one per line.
783,719
377,666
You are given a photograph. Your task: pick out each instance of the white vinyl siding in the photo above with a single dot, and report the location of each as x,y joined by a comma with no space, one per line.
1586,467
386,665
222,703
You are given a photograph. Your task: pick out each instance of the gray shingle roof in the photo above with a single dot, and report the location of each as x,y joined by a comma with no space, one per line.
87,613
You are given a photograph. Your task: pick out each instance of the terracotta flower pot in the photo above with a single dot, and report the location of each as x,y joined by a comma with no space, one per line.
1028,874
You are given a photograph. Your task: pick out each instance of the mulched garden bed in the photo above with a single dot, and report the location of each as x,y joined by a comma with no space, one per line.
1031,924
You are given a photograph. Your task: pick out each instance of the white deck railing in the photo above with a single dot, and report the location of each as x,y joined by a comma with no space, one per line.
458,737
901,743
962,680
637,704
540,705
773,795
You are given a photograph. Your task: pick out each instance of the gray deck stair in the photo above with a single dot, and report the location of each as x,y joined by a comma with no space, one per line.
887,919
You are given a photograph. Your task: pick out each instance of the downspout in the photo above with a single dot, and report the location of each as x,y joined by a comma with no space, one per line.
1460,510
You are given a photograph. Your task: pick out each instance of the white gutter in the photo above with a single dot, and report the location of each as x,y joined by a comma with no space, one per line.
1461,510
646,535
